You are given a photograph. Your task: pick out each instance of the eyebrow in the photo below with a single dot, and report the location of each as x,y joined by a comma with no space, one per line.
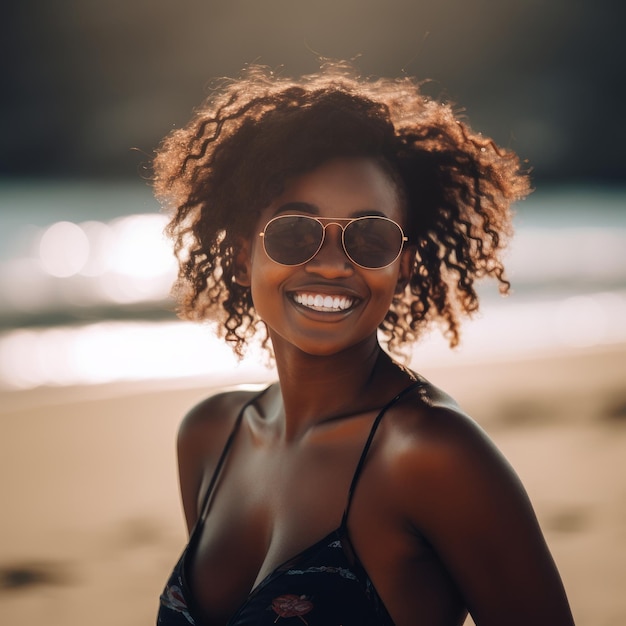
302,207
312,209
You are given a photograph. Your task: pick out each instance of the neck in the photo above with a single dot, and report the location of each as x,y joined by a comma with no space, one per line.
317,388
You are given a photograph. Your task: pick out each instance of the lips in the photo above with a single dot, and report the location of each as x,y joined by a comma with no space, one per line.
323,302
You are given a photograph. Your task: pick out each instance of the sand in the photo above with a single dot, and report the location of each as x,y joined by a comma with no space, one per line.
91,520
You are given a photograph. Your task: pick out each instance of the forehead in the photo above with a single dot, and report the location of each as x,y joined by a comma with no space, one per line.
342,188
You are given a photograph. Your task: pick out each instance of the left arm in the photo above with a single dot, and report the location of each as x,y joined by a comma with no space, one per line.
462,495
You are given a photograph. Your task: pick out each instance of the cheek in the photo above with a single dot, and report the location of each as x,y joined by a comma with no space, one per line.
386,280
265,279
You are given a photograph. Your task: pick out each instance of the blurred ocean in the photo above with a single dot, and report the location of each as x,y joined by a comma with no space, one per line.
85,275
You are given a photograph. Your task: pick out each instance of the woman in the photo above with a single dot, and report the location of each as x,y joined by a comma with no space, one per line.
334,212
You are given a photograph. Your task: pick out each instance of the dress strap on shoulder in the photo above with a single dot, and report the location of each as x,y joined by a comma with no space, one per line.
227,446
368,443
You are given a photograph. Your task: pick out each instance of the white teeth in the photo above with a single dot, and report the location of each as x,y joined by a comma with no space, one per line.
319,302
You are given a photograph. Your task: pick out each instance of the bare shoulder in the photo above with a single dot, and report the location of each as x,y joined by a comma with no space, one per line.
202,435
213,415
432,431
454,488
437,448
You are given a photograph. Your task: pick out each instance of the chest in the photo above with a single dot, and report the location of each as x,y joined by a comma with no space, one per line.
267,506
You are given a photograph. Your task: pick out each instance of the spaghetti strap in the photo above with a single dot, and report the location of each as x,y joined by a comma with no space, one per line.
368,443
222,459
326,579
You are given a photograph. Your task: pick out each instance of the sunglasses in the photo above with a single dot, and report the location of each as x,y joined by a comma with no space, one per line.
371,242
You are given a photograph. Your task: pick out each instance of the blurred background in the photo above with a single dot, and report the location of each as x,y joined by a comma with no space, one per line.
95,370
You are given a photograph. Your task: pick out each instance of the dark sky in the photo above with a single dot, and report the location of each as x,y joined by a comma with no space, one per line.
90,87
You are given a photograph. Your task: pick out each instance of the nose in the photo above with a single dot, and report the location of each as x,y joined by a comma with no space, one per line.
331,260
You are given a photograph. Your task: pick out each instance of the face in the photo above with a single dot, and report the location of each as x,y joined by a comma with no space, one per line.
329,303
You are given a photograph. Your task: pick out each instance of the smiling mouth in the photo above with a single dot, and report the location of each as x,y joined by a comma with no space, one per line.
324,303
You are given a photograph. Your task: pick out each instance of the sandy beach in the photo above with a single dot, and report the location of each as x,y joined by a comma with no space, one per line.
91,520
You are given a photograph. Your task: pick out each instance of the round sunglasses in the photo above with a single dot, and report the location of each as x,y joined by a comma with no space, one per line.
372,242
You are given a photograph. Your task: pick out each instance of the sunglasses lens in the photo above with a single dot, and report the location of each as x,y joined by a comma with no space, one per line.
373,242
293,239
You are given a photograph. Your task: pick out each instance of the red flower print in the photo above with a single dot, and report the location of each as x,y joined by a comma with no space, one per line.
291,605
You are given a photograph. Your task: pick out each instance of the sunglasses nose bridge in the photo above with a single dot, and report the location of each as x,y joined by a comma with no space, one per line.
332,243
341,227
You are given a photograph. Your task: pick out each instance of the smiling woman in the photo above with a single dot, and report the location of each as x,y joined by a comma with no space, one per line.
337,193
333,211
237,153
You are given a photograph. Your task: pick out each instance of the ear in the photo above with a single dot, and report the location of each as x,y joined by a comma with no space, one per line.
242,264
407,260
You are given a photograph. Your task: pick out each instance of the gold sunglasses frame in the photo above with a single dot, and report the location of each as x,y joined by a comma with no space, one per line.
324,222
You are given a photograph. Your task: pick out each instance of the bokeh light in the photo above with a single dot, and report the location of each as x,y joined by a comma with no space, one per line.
100,236
63,249
142,266
140,248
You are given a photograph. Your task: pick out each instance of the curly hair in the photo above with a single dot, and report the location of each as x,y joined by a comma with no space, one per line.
255,133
